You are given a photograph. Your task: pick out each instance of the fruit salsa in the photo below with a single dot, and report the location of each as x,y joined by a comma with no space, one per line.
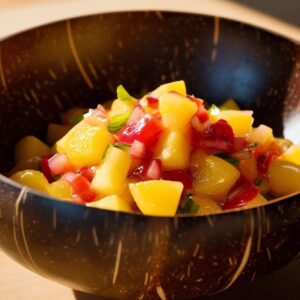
162,155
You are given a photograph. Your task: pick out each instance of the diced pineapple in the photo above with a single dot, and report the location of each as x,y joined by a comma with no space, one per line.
240,121
248,167
112,202
229,104
111,174
174,150
73,115
292,154
85,143
206,205
257,201
175,86
262,135
176,111
119,106
124,192
56,132
31,178
212,175
284,178
29,147
60,189
157,197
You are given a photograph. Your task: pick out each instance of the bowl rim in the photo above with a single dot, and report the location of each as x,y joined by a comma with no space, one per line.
22,18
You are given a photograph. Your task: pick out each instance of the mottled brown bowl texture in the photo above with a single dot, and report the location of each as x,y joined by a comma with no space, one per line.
80,62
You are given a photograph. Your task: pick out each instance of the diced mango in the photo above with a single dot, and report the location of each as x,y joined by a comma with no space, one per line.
175,86
284,178
29,147
176,111
73,115
248,167
292,154
85,143
31,178
284,144
257,201
212,175
240,121
229,104
174,150
262,135
119,106
157,197
56,132
111,174
112,202
60,189
206,205
124,192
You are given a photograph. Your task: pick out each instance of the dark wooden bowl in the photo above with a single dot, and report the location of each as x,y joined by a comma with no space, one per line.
80,62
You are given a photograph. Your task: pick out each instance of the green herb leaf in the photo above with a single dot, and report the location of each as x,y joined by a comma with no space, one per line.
188,206
122,94
232,160
214,110
122,146
107,150
117,122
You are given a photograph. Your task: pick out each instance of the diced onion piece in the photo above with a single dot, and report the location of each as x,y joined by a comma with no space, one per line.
138,149
154,170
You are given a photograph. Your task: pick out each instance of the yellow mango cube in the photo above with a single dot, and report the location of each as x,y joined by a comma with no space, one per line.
29,147
176,111
262,134
174,150
284,178
56,132
157,197
206,205
85,143
212,175
119,106
112,202
292,154
175,86
240,121
229,104
31,178
60,189
257,201
112,172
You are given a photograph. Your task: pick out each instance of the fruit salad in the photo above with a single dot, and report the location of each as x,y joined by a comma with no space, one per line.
167,153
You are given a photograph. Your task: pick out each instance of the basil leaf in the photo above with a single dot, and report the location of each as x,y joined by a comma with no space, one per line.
232,160
188,205
122,94
214,110
117,122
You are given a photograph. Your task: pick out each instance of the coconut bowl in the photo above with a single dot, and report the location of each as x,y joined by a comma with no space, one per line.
79,62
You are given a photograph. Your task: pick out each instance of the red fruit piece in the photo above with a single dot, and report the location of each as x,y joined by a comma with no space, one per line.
149,169
86,172
202,113
60,164
152,102
45,168
182,175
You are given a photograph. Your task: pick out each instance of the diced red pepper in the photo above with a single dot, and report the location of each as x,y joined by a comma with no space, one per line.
60,164
81,186
264,160
202,113
145,130
152,102
138,149
240,194
86,172
45,168
149,169
182,175
137,113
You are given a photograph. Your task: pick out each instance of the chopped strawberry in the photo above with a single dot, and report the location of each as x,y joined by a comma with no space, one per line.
240,194
86,172
182,175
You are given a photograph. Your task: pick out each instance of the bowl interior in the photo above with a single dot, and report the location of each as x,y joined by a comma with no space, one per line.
80,62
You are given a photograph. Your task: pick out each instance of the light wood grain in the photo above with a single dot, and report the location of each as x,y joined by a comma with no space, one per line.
17,283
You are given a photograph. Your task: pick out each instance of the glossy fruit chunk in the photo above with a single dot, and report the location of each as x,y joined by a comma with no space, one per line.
284,178
157,197
31,178
119,106
29,147
183,175
258,200
176,111
174,150
229,104
206,205
112,172
212,175
240,121
175,86
292,154
112,202
85,143
262,135
60,189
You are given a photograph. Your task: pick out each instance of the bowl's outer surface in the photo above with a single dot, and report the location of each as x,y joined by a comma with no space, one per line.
80,62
